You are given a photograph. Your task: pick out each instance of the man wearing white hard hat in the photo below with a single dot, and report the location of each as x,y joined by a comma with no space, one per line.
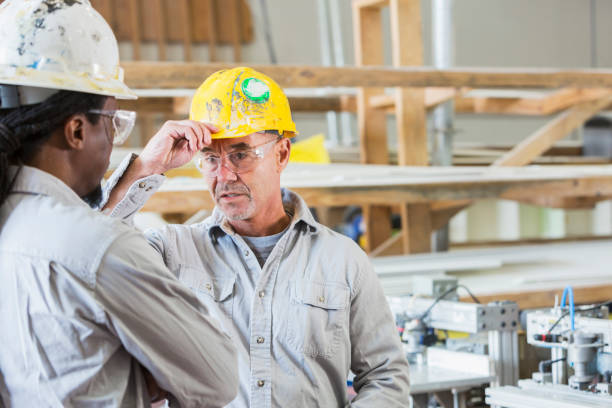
88,310
301,302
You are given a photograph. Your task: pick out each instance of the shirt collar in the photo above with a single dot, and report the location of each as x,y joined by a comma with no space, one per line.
31,180
294,205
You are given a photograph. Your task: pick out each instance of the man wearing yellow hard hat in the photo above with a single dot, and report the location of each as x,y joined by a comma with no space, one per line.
301,302
87,308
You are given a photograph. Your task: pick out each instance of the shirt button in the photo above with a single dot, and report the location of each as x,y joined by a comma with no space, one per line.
142,184
321,299
260,340
260,383
208,286
262,293
246,253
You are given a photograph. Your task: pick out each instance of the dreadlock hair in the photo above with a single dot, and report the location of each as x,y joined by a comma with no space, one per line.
24,130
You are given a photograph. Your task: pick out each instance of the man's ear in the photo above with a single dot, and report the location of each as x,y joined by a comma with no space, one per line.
74,132
283,152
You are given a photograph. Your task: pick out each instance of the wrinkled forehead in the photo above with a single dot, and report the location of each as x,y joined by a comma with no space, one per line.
237,143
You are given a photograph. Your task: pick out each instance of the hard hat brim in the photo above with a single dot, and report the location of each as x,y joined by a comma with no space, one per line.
68,82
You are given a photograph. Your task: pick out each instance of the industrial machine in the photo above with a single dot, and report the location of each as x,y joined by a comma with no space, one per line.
443,366
578,374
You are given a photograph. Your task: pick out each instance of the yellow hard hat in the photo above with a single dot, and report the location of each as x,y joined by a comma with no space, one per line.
241,101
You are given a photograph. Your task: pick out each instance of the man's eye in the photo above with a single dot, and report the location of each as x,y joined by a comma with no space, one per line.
211,159
240,155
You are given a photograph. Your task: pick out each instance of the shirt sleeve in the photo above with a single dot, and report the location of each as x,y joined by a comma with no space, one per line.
137,195
164,326
377,357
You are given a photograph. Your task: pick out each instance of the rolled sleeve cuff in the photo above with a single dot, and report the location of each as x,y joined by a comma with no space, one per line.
138,193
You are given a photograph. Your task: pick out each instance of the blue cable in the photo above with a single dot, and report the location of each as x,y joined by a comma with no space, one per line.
569,291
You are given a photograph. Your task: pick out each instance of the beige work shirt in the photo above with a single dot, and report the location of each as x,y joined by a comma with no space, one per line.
85,302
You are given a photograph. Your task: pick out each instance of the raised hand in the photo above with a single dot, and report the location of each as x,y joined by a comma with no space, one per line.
175,144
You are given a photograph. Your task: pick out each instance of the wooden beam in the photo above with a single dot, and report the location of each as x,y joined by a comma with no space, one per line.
407,50
370,3
391,247
546,298
234,12
212,30
416,234
442,212
184,8
528,241
367,185
164,75
541,140
160,28
134,11
566,203
372,123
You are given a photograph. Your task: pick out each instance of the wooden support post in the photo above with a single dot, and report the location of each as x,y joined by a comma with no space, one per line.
186,21
235,17
407,50
160,28
367,25
416,232
135,27
147,122
212,30
541,140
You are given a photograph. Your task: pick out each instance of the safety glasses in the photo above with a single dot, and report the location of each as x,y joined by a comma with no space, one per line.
239,161
123,123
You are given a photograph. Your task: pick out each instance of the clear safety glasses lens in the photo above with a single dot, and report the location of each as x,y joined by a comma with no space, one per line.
123,123
241,161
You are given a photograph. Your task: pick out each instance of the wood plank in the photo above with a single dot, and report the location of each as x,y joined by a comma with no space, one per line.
442,212
368,185
528,241
105,8
566,203
416,235
212,30
368,37
134,15
164,75
391,247
159,25
185,19
370,3
541,140
149,105
234,15
407,50
546,298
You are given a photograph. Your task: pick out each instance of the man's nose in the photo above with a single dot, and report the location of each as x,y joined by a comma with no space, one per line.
224,173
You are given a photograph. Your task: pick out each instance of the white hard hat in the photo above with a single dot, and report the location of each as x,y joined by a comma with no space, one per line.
59,45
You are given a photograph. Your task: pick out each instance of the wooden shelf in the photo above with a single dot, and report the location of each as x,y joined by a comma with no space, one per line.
345,184
164,75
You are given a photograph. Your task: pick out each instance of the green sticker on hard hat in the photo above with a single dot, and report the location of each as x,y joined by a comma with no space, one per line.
256,90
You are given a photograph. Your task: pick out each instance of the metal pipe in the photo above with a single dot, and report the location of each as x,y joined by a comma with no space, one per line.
559,369
443,115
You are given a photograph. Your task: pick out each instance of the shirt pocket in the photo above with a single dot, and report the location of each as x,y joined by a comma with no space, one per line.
214,292
318,318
